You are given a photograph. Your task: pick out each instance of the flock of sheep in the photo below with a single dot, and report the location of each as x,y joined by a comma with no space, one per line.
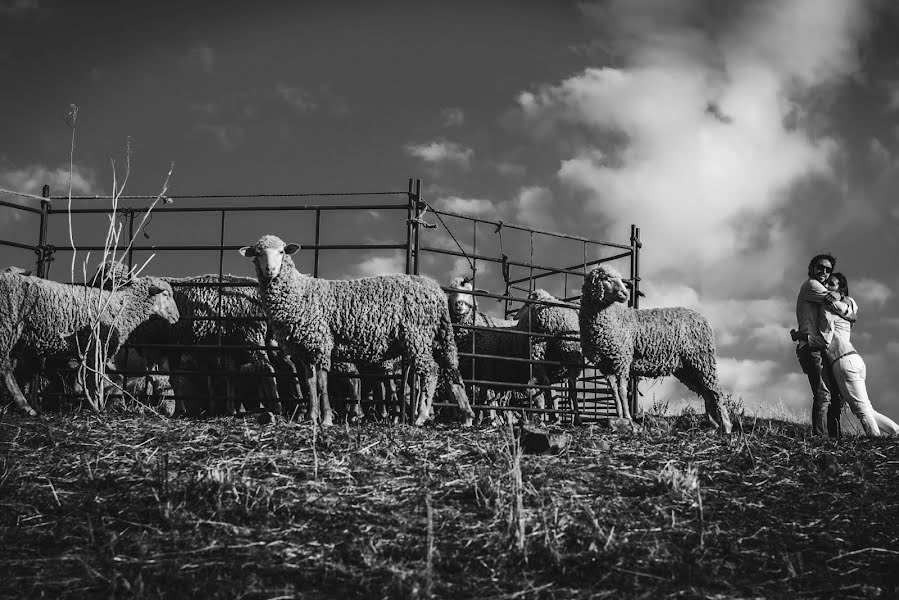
297,332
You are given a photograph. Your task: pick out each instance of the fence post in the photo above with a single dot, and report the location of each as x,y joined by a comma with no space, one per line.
410,269
416,229
43,266
318,238
633,385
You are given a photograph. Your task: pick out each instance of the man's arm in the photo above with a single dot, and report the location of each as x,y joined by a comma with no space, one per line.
813,291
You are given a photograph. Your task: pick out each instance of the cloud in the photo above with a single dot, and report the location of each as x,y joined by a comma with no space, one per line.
226,135
305,100
31,180
534,207
295,97
510,169
468,206
453,116
700,136
706,126
868,292
200,57
441,153
379,265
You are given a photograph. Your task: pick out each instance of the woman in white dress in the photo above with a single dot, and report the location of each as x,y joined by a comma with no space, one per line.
848,367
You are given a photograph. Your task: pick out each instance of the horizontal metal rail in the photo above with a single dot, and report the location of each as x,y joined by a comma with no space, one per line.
238,247
528,229
573,268
30,209
18,245
201,209
481,257
223,196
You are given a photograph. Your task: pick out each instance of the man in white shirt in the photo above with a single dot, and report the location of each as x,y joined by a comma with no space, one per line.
812,346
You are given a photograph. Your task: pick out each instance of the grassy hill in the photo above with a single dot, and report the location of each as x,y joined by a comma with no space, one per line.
139,506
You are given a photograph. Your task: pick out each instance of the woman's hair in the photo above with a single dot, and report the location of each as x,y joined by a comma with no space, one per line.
842,283
811,264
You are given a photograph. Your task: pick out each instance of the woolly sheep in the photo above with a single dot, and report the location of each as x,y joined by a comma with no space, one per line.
41,317
365,321
495,341
564,346
623,341
200,299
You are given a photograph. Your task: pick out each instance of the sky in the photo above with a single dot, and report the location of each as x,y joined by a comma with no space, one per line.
741,137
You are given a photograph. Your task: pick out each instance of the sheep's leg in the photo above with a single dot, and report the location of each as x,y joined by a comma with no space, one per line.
423,409
549,398
312,396
572,399
457,389
269,387
325,413
379,402
9,383
716,412
294,387
622,404
389,396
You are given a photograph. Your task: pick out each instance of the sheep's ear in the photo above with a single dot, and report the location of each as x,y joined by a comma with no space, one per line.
248,251
291,248
155,289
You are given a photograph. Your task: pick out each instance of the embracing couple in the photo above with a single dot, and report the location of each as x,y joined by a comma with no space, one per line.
835,370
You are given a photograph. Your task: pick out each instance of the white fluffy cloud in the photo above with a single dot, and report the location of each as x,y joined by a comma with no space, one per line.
441,152
700,138
378,265
870,292
534,207
32,178
468,206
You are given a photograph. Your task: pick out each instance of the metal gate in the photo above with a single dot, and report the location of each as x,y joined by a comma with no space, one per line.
201,233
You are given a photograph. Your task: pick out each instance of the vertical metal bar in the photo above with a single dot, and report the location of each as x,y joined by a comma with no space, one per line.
529,308
43,270
218,314
43,267
474,280
130,239
416,227
409,212
404,368
318,238
633,384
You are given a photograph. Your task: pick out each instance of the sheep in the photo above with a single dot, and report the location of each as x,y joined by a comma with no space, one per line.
497,341
42,317
363,321
543,315
534,317
623,341
200,299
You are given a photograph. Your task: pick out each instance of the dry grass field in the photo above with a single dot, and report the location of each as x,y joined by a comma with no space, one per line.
131,506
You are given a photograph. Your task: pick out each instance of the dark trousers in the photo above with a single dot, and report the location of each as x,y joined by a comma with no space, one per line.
826,402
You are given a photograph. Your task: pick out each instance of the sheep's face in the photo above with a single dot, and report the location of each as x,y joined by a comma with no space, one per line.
461,303
160,293
616,290
268,257
605,285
